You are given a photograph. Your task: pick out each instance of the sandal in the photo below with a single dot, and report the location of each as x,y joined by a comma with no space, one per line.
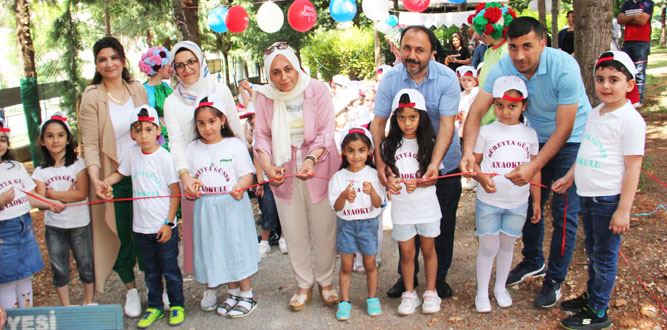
228,305
330,296
243,308
298,301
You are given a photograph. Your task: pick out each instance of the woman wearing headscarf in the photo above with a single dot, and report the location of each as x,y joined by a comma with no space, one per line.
107,110
294,140
192,74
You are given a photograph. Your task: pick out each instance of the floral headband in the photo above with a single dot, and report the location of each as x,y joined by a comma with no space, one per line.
153,60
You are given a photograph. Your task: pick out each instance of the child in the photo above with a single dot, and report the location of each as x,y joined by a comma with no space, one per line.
502,206
357,197
19,255
468,80
154,219
62,177
155,64
613,144
226,249
415,211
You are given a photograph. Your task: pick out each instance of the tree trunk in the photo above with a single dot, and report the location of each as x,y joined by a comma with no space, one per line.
24,37
593,19
107,19
179,19
377,48
191,12
663,35
542,11
555,8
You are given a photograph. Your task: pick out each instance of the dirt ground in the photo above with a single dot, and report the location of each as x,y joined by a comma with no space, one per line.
632,304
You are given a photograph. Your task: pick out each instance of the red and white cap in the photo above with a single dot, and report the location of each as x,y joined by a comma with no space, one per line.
3,129
152,115
466,70
618,56
59,116
415,98
507,83
361,130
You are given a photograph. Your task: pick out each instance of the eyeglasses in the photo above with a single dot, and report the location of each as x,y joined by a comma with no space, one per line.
191,63
278,45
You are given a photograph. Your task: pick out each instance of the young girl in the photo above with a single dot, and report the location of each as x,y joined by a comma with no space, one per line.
62,177
356,196
155,64
415,209
226,249
19,252
153,219
468,80
501,205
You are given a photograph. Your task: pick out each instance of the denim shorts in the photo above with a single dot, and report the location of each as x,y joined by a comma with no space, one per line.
59,241
19,252
405,232
492,220
357,235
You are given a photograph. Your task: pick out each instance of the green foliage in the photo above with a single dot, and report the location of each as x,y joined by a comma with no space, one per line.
346,51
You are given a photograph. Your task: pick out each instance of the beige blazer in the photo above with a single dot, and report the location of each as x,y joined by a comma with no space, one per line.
99,149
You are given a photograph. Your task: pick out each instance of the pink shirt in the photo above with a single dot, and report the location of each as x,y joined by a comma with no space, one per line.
318,118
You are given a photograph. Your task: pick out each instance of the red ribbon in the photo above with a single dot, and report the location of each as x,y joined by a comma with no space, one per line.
146,118
60,118
205,104
512,98
406,105
356,130
4,130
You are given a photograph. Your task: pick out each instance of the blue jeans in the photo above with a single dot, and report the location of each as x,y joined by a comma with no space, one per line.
533,234
267,205
59,241
601,248
638,51
161,259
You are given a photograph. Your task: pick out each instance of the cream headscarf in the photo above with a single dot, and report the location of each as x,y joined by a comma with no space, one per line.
280,141
191,93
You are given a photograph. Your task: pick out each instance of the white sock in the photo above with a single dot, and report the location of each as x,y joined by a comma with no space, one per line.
504,260
24,292
488,247
234,292
247,294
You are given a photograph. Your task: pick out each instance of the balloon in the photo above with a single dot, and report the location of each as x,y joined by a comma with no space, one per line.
416,5
457,1
391,20
383,27
302,15
216,19
237,19
270,17
342,10
376,10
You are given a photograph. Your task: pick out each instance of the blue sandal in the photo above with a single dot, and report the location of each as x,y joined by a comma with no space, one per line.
373,307
344,309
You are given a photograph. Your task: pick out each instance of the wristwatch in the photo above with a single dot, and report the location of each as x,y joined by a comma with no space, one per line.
170,224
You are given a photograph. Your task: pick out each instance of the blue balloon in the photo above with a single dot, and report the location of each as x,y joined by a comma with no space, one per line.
343,10
392,20
216,19
457,1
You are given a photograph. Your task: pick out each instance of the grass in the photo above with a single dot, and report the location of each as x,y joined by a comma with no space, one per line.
656,84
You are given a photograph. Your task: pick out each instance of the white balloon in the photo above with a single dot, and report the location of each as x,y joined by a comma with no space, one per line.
376,10
382,26
270,17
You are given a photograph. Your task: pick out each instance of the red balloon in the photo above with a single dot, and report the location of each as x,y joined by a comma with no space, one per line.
416,5
237,19
302,15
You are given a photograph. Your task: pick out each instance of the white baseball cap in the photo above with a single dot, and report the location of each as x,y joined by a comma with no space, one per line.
618,56
152,115
59,116
415,97
464,70
3,129
363,130
507,83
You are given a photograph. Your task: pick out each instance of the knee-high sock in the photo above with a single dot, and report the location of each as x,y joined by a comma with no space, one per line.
504,260
488,247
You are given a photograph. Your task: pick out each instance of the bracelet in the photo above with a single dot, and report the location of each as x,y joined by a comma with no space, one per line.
311,157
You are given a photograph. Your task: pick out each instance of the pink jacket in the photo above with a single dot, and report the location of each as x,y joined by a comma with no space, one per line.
318,118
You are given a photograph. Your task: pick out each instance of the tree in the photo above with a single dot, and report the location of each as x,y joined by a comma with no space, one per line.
186,17
542,11
555,8
591,37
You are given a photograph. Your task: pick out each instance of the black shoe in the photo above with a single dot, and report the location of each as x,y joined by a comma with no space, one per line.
522,272
586,319
397,290
576,304
549,294
273,239
444,290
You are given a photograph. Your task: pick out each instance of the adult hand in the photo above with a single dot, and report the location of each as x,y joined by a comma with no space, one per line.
431,176
164,234
487,183
563,184
537,213
522,174
3,318
259,191
381,168
102,190
467,165
56,206
620,222
7,196
191,186
307,170
276,176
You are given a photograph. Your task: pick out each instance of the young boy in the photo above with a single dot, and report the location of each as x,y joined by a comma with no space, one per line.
613,143
468,80
154,224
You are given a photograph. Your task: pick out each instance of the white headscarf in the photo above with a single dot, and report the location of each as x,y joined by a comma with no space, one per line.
280,133
191,93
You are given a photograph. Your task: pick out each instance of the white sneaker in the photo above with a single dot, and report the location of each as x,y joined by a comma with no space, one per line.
358,265
468,184
132,303
482,304
409,303
282,243
209,300
165,300
503,298
637,105
431,303
264,248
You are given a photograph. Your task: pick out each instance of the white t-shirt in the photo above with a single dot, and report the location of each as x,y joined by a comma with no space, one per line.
151,176
219,165
61,179
600,163
362,207
15,176
296,126
122,116
465,102
419,206
503,148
